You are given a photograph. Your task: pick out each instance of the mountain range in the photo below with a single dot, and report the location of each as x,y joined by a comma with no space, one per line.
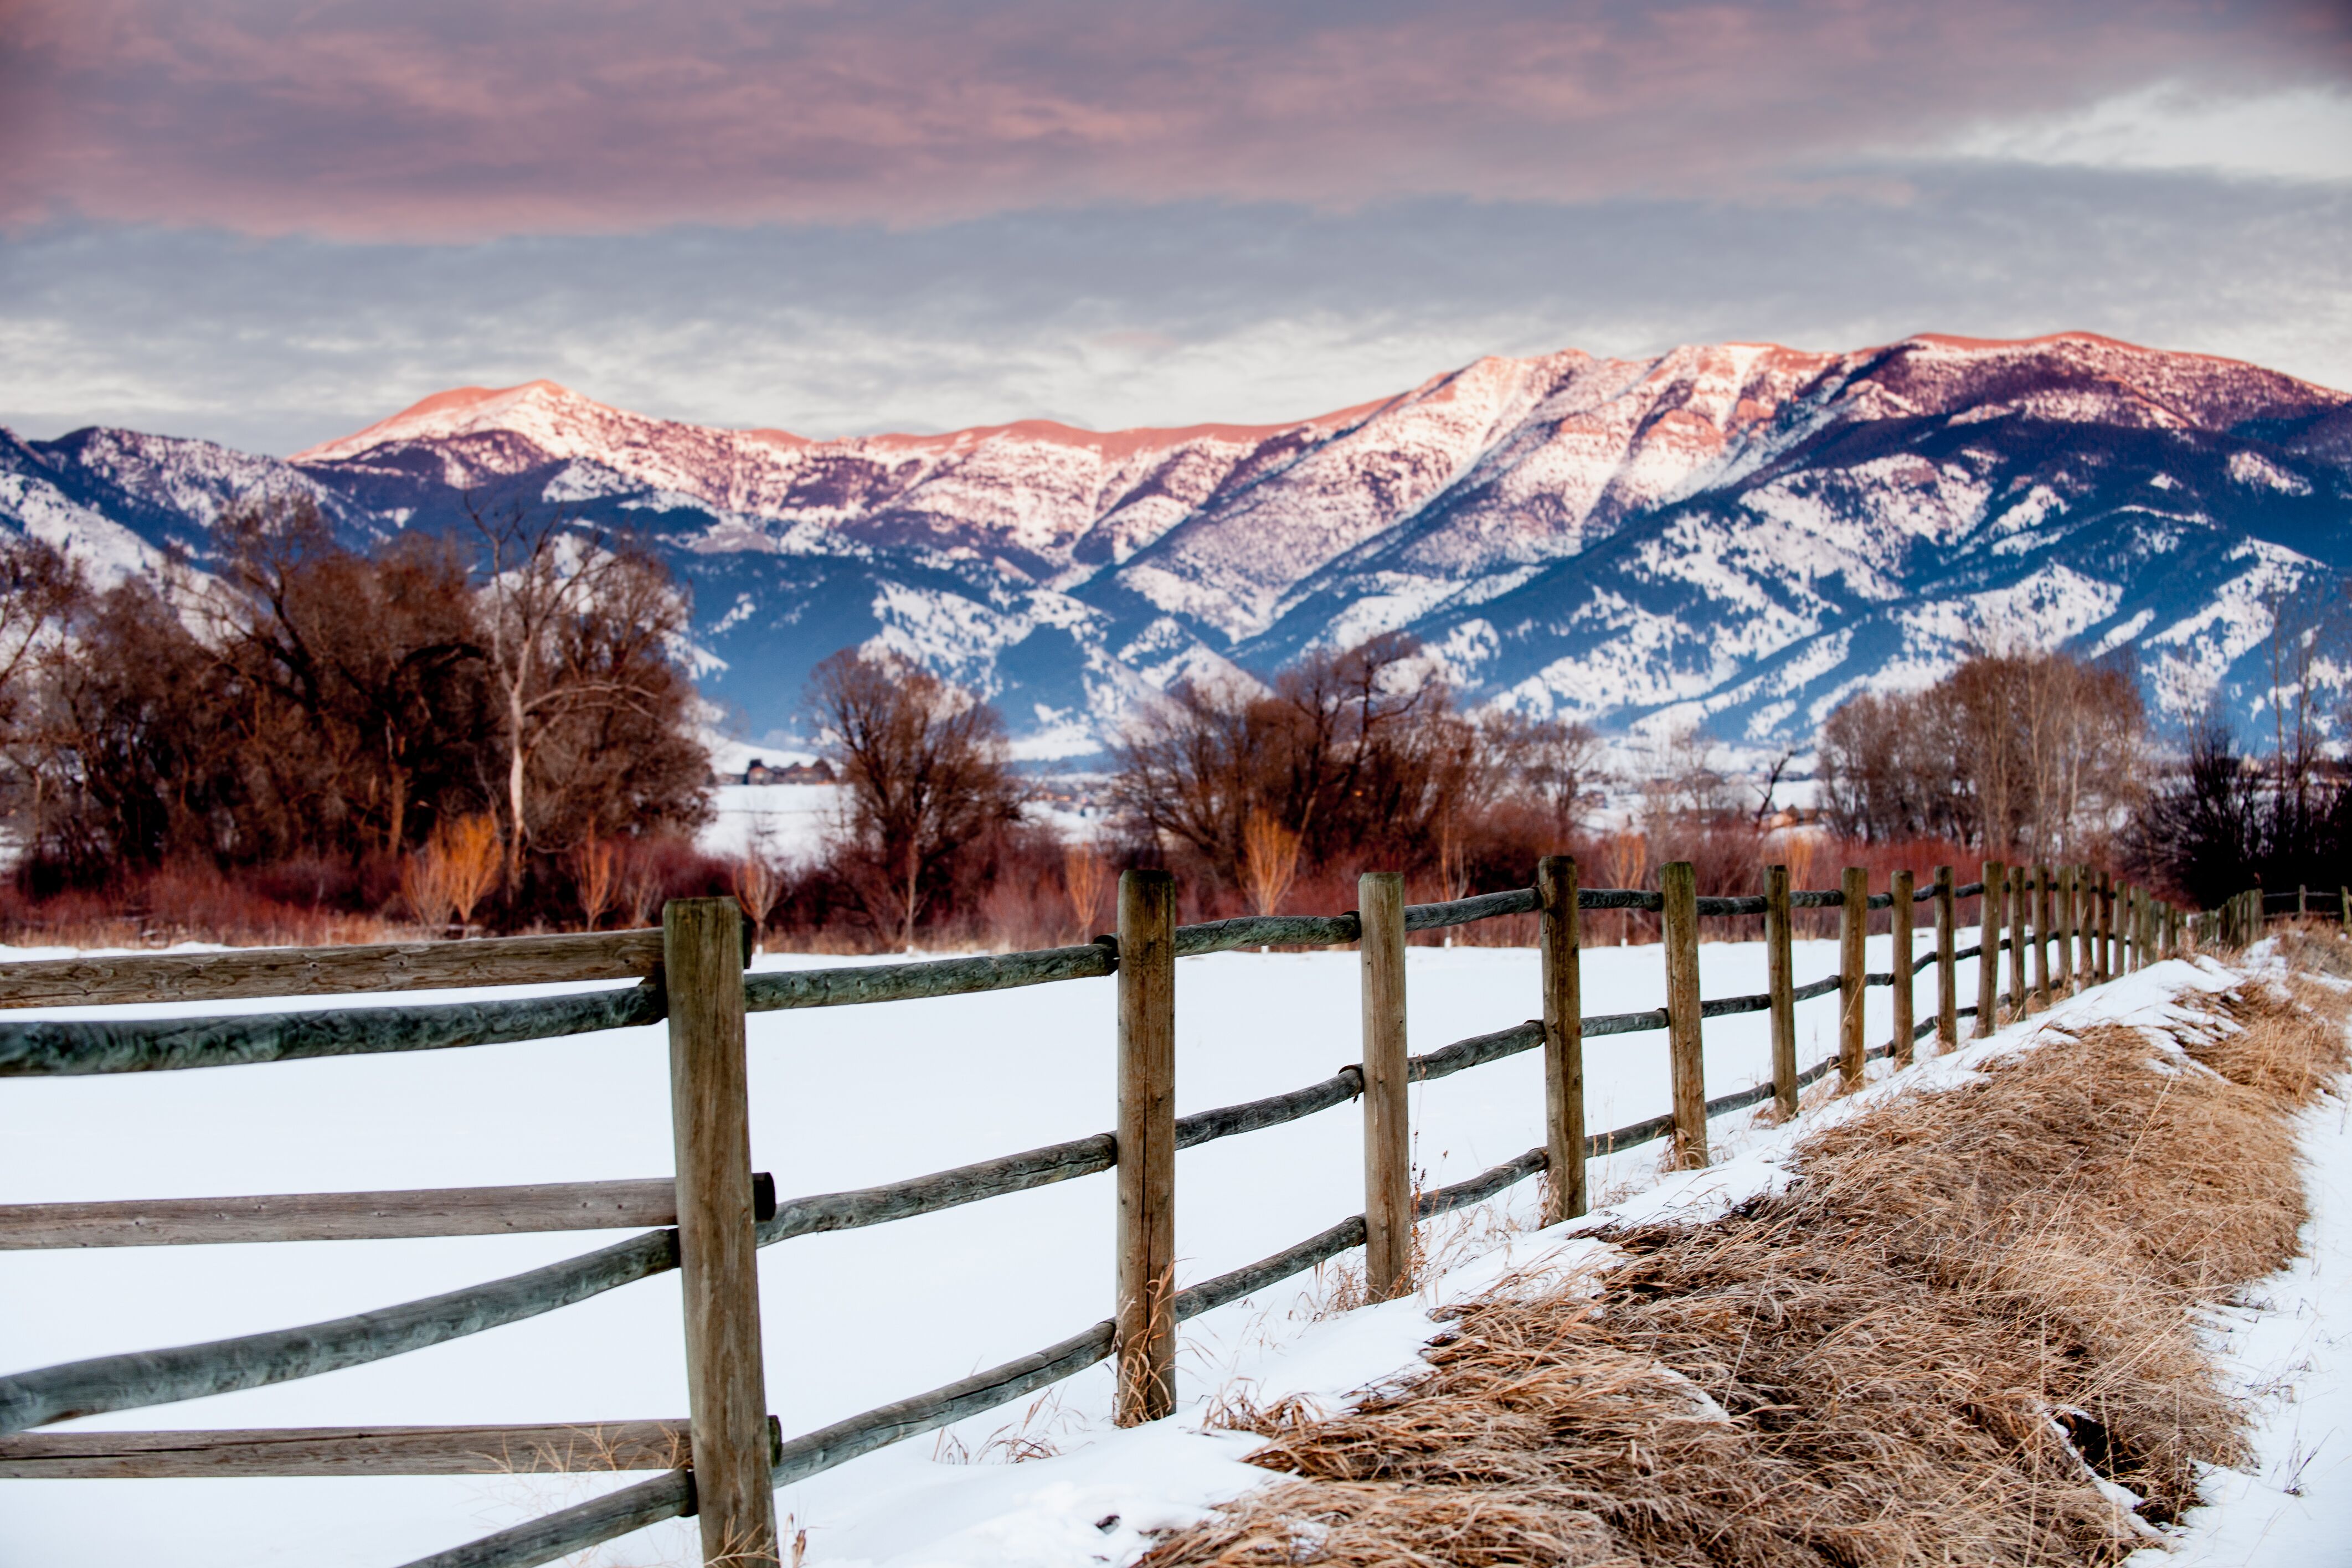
1730,535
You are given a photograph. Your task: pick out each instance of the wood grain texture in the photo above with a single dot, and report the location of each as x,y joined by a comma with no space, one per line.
1145,1282
1679,923
1988,908
2043,905
2019,882
726,1377
2103,915
1947,968
74,1047
580,1447
1560,943
1388,1140
1781,985
1901,886
141,1378
945,1189
354,1215
1853,925
329,971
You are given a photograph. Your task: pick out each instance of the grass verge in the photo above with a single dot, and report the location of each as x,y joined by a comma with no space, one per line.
1965,1334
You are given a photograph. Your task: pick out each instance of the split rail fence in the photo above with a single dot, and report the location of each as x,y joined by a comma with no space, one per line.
723,1460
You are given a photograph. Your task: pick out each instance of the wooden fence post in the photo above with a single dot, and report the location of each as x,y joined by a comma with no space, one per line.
1678,921
1146,1286
2086,925
2065,962
1388,1140
2020,878
2302,901
1899,926
1781,982
1853,926
1563,1021
1988,907
719,1266
2344,895
2040,916
1947,979
2107,925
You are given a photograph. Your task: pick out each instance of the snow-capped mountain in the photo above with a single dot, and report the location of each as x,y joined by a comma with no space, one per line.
1733,534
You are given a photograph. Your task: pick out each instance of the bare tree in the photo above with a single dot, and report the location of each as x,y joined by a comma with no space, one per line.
923,765
40,589
2037,753
578,630
1359,754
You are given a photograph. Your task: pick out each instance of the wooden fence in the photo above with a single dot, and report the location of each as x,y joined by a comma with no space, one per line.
2241,918
723,1459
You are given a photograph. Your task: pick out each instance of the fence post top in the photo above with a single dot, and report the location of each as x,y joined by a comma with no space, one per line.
1141,875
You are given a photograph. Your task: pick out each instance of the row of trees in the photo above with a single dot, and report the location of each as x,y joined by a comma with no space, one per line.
2037,754
1346,761
300,701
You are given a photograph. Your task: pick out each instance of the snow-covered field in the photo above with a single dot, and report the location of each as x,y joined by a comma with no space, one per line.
787,821
841,1098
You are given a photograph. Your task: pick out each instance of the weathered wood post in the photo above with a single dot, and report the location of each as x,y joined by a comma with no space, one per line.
2107,925
1853,928
2344,897
1899,924
2086,925
2302,901
1563,1021
1388,1140
1145,1319
2040,937
2064,966
2127,922
719,1263
1678,883
2019,879
1947,979
1780,983
1988,908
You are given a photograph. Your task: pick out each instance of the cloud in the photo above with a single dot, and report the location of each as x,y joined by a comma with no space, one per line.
1145,314
449,119
2300,134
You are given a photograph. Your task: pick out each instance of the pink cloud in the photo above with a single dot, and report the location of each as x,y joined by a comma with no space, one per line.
453,120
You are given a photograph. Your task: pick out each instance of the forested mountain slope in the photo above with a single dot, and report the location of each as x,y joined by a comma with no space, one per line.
1736,535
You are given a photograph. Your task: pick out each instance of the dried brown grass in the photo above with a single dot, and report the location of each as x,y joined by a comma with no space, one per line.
1973,1309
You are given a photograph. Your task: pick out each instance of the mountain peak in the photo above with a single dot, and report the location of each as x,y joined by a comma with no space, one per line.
459,411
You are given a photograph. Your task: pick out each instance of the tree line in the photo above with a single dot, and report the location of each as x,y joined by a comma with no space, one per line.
496,731
356,713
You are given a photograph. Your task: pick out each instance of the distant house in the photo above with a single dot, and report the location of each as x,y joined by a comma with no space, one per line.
761,772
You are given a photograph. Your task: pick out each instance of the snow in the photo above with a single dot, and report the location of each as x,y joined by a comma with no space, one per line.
2281,1353
842,1098
850,1096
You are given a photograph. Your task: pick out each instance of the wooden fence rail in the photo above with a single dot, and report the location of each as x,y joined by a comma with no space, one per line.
724,1461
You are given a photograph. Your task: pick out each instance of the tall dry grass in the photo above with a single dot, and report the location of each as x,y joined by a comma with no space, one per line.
1968,1321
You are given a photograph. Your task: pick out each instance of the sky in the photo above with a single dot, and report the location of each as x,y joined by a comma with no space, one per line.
268,223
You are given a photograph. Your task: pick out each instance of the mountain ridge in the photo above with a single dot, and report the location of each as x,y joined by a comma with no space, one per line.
1732,535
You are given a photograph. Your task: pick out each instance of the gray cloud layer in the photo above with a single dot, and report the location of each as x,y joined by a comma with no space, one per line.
272,221
450,119
1164,314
